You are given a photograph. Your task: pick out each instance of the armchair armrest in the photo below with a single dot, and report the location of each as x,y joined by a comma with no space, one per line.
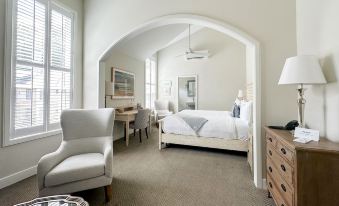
108,157
47,162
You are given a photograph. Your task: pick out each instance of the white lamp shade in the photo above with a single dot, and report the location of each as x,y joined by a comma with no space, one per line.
240,94
304,69
109,88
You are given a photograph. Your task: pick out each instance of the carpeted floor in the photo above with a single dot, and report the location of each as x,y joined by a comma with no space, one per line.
177,175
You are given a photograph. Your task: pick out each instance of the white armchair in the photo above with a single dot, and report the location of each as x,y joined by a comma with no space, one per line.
84,159
161,109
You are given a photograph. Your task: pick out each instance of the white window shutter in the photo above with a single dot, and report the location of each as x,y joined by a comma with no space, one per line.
150,82
41,86
61,65
29,70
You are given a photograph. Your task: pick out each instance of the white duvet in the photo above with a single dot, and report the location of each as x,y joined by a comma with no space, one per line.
220,124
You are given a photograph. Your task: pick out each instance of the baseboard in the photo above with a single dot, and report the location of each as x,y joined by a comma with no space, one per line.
16,177
264,184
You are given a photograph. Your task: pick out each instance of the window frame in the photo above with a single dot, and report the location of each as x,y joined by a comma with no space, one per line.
10,61
153,58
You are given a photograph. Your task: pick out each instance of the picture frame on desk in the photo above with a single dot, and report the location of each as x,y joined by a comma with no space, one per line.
124,84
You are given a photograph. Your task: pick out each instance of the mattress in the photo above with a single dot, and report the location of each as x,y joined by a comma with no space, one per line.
220,124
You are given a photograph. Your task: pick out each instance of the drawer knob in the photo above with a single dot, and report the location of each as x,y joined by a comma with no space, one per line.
283,168
270,139
270,184
270,152
283,150
270,168
283,187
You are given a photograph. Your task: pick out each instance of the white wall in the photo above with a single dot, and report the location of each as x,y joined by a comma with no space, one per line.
133,65
318,34
219,77
19,157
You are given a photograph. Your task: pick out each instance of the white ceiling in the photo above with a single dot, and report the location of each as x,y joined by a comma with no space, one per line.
151,41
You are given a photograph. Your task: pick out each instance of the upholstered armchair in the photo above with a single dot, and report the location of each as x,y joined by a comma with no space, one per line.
84,159
161,109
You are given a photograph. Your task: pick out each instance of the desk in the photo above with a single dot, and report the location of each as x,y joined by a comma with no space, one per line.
127,117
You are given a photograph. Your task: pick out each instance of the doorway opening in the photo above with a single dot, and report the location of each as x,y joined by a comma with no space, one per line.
252,64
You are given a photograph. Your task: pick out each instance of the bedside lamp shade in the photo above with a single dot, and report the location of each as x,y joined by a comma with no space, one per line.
303,69
240,94
109,88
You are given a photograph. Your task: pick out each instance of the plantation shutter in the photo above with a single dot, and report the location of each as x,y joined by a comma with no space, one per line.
60,65
42,66
150,82
29,72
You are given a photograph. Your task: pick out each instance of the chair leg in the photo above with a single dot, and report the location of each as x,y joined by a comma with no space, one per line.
124,133
134,133
140,134
146,132
108,193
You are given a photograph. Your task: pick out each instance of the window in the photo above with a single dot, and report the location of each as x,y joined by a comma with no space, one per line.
40,38
150,82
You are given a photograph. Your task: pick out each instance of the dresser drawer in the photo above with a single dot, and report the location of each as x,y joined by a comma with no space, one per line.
271,140
279,201
284,189
271,152
282,166
285,152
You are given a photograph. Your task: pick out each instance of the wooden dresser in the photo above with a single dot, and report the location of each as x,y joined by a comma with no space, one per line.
301,174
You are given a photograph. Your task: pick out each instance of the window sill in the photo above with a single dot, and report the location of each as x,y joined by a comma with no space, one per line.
18,140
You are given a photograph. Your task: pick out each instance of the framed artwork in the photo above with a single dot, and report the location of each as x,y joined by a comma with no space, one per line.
124,83
191,88
167,88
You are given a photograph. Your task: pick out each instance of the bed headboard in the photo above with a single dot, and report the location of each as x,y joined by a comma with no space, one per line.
249,92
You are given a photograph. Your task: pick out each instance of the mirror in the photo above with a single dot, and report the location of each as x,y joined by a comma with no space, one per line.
187,92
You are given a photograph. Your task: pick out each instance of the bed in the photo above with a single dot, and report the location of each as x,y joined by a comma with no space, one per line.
220,131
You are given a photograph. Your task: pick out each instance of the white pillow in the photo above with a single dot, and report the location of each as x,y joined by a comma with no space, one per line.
246,111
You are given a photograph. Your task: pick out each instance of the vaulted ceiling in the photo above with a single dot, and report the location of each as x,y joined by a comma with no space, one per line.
148,43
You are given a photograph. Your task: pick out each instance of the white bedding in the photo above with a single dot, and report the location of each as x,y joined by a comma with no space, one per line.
220,124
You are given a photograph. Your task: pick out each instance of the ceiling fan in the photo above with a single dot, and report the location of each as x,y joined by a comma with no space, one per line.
191,54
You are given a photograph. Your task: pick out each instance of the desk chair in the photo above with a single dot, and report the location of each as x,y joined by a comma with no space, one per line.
141,121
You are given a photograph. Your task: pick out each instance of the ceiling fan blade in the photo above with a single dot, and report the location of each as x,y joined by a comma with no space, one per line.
196,58
180,55
201,52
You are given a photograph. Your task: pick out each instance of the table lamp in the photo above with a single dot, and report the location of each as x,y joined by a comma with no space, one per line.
240,95
108,90
302,70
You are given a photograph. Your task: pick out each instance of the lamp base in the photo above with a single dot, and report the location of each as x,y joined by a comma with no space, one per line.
301,106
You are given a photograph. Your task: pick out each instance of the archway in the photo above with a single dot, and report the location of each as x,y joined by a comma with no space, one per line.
253,56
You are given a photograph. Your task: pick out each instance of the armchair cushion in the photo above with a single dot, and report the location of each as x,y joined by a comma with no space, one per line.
75,168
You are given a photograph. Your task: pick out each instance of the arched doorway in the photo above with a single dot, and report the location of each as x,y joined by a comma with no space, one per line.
253,64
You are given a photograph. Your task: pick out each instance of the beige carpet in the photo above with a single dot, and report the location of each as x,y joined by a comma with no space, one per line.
177,175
